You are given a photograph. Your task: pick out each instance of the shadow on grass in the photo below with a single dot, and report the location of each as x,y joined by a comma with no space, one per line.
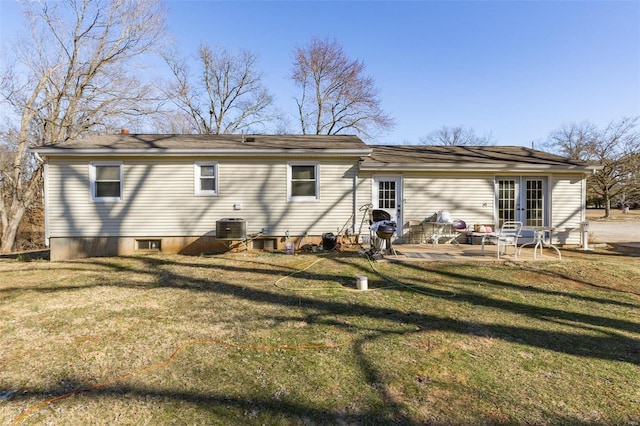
602,344
602,347
27,256
224,408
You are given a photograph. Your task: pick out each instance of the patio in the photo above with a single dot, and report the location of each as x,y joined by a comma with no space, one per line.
465,252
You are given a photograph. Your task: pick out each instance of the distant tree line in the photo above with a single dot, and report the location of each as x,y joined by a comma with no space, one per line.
457,136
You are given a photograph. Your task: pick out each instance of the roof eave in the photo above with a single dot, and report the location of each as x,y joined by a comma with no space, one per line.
523,168
159,152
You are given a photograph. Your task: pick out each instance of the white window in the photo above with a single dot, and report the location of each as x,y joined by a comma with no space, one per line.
206,178
106,181
303,181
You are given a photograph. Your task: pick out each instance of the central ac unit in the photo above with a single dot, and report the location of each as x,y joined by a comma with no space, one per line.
231,229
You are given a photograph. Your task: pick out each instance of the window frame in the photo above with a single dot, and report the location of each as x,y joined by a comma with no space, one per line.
519,201
93,181
149,242
197,176
290,180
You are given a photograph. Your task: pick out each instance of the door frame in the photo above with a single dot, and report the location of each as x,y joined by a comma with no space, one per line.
520,198
375,181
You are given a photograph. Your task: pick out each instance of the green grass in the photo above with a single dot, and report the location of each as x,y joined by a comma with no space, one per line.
275,339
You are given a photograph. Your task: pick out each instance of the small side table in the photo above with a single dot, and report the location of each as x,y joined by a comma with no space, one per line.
539,240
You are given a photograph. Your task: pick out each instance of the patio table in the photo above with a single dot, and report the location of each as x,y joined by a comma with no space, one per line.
484,236
540,239
442,230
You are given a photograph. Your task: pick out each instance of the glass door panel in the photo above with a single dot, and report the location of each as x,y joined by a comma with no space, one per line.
534,202
521,199
386,194
507,200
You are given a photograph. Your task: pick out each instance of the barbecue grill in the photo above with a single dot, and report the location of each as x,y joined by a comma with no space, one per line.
384,230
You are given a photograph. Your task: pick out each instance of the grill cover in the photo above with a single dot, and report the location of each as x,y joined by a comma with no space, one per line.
385,231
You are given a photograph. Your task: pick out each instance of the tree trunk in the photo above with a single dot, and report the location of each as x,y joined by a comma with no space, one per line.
14,209
607,207
78,77
9,234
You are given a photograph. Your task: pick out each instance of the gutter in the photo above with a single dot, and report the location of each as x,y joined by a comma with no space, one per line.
455,167
159,152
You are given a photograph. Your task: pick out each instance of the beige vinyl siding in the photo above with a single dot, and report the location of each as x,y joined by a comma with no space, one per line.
567,207
363,189
468,196
471,197
159,200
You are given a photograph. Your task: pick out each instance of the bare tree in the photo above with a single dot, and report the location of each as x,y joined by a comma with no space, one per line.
226,96
574,140
456,136
614,148
630,171
73,75
336,97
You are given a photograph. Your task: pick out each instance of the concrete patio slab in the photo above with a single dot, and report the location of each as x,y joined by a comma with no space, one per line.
464,252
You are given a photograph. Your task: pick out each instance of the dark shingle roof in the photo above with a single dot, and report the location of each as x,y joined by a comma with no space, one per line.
120,142
420,157
374,157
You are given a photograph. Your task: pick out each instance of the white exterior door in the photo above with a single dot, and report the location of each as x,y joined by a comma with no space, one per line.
387,196
522,199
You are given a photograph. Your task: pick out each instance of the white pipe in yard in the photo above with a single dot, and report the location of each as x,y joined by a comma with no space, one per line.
585,235
361,282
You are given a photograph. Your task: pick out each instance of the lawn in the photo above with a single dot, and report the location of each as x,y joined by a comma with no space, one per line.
260,338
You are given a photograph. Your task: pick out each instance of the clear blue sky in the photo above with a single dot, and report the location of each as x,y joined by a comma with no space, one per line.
517,69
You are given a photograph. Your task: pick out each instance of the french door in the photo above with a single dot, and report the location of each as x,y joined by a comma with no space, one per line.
387,196
522,199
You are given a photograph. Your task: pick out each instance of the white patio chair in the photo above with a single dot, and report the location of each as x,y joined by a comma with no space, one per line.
507,236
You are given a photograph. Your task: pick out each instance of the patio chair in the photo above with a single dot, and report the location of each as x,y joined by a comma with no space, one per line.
507,236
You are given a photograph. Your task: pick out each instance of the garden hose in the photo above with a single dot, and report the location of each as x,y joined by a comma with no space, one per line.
448,294
169,360
173,356
298,271
408,286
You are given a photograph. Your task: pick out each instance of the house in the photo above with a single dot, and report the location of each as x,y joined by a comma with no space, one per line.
127,193
484,185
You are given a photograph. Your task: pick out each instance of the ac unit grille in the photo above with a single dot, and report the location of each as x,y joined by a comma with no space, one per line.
231,229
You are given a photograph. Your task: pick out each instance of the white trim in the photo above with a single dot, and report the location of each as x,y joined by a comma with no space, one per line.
472,167
92,181
222,152
520,194
583,200
197,176
399,209
45,196
316,166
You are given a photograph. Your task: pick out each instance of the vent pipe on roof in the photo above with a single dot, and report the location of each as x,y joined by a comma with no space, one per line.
124,132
